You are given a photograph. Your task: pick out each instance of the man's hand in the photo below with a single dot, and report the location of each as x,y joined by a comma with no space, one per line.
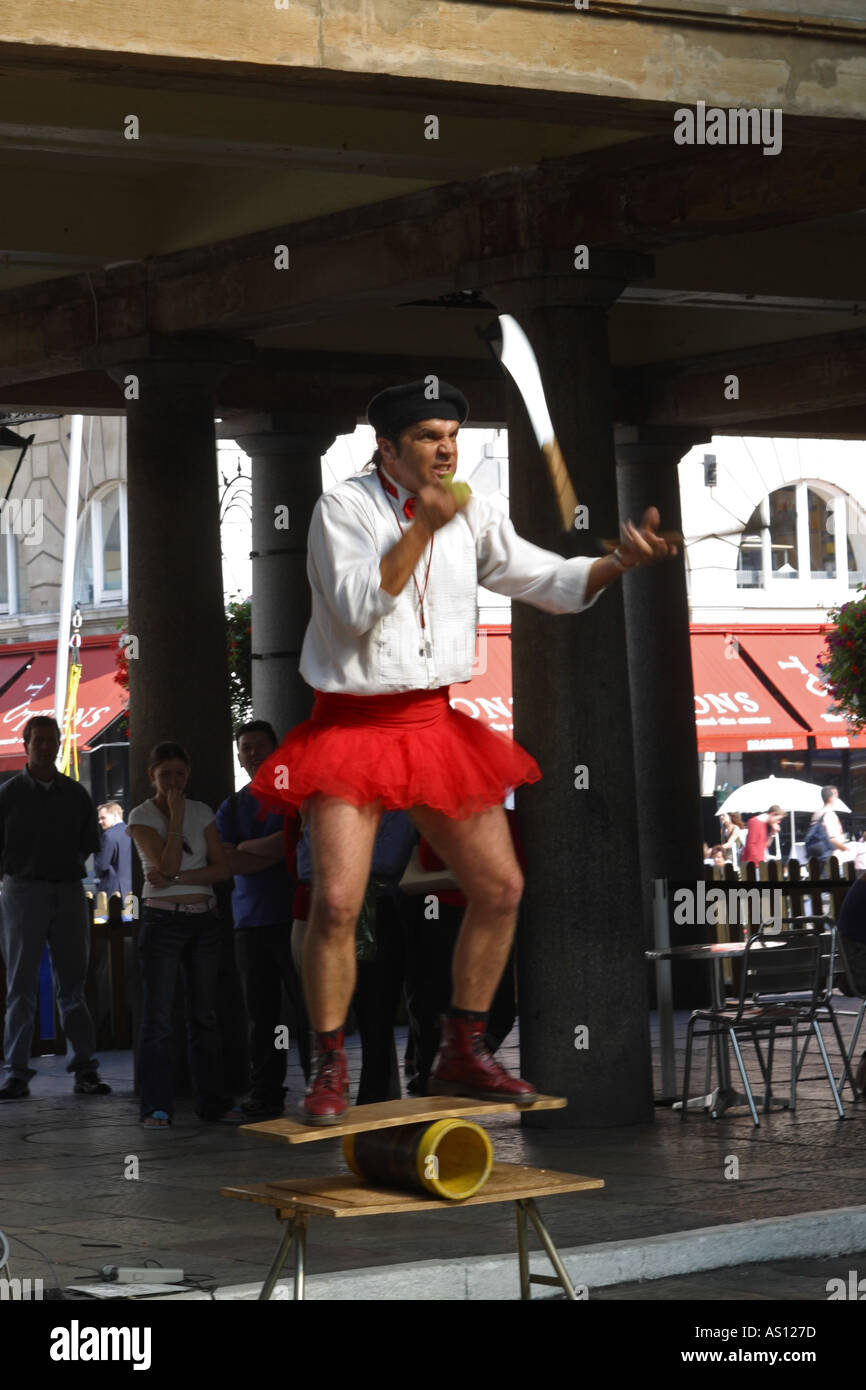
439,503
643,545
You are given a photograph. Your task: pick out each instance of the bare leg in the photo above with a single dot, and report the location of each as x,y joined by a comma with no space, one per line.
341,843
480,853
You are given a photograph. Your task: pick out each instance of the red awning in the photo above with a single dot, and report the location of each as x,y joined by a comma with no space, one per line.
789,660
100,698
487,695
734,711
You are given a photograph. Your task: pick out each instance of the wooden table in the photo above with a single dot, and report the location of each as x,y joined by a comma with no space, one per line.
296,1200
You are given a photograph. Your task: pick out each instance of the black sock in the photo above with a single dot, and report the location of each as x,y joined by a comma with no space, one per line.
470,1014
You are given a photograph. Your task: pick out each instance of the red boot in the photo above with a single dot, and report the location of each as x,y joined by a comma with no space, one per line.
466,1067
327,1098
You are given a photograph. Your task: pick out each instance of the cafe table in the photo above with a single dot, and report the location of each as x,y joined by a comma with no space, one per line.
724,1096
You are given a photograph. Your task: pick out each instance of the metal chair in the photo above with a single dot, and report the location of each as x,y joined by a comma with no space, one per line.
773,965
833,966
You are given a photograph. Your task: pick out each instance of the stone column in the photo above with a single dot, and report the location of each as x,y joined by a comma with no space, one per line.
178,681
667,778
286,453
660,661
584,1025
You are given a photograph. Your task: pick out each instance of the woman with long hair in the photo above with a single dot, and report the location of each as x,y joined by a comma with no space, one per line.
182,857
733,834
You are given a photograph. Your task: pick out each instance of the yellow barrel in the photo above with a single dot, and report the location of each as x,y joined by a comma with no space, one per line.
449,1158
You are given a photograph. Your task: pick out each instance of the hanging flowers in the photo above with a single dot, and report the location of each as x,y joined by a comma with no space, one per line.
121,661
843,662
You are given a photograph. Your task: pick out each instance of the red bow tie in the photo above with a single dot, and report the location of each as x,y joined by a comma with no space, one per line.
408,505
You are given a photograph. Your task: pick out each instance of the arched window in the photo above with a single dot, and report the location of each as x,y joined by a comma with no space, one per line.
807,531
101,562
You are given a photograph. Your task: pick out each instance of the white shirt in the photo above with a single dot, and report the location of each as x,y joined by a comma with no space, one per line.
362,640
196,816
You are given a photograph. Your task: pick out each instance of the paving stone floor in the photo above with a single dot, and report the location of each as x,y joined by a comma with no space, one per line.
68,1208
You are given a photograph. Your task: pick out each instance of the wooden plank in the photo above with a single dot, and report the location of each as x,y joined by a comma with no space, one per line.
393,1112
346,1196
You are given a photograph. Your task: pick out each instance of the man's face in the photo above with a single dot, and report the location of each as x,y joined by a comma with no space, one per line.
253,749
43,747
106,817
427,452
831,801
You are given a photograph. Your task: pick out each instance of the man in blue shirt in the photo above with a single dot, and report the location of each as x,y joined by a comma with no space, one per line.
262,910
113,864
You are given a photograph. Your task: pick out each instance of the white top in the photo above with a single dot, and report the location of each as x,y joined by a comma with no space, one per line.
364,641
196,816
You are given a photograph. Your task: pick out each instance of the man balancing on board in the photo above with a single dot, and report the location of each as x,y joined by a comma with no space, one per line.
395,557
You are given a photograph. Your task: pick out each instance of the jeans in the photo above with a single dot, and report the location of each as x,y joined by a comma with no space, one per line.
35,912
168,940
264,958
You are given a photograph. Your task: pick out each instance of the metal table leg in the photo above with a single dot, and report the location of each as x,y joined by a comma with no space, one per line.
300,1251
273,1273
522,1250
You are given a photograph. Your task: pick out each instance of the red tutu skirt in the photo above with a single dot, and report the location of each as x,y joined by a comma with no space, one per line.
408,749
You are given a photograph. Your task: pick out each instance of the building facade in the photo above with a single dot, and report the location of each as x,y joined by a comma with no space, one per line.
34,461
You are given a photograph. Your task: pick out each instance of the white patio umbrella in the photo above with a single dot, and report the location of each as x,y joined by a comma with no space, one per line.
788,792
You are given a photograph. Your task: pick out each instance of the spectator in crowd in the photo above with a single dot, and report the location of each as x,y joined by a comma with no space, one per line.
380,948
181,856
113,863
733,835
852,929
761,830
262,911
829,818
48,829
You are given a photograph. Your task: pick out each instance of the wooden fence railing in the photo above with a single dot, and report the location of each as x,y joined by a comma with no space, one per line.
799,884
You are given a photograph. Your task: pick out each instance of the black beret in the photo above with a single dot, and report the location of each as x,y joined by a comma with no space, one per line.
399,406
